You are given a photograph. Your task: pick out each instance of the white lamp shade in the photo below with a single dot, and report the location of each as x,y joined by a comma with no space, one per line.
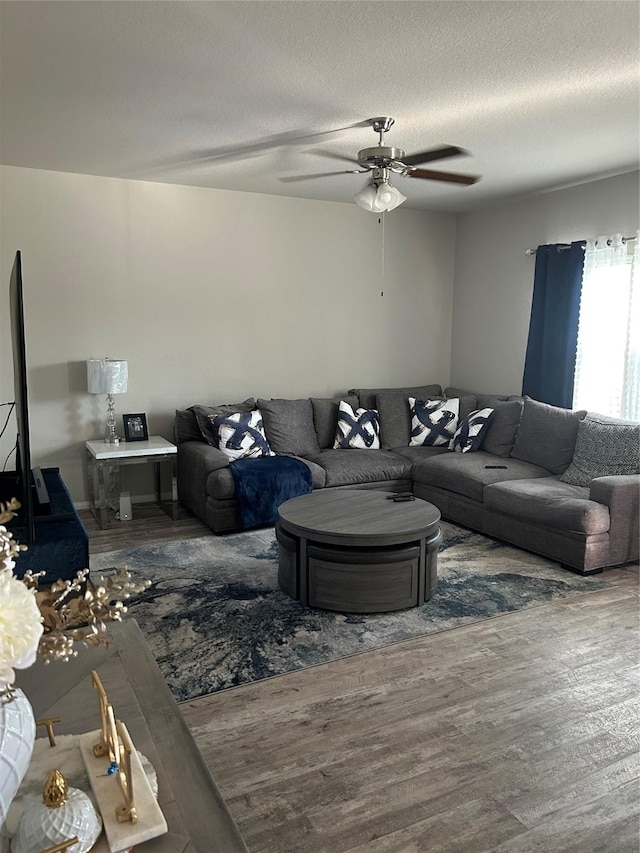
389,197
107,376
377,199
366,198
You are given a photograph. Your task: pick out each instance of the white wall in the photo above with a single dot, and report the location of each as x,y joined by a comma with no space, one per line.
494,277
211,296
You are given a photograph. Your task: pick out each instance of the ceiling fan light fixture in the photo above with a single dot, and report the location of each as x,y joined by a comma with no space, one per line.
379,197
366,198
389,197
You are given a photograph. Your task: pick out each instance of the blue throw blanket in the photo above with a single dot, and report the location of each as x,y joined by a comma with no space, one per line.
264,483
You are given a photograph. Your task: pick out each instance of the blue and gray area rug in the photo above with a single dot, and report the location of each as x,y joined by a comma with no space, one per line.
215,617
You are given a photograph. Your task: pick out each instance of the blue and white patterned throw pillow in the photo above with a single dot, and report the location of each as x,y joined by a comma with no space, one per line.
241,435
357,429
433,422
471,431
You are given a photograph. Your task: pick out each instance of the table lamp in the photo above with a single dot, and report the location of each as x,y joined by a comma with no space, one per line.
108,376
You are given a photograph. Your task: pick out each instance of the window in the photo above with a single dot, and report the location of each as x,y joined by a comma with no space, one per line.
607,372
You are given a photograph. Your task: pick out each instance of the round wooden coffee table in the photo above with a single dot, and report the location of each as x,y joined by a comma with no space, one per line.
356,551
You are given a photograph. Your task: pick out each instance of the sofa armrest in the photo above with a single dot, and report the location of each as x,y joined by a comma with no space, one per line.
202,454
622,495
196,460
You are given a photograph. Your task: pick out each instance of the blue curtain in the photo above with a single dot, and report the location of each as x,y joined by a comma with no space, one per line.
553,332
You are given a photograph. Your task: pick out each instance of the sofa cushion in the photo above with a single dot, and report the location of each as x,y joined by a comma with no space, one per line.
318,474
466,404
240,435
452,391
467,474
185,427
549,502
325,417
368,397
361,466
359,428
468,437
501,432
289,427
433,422
395,419
604,447
221,483
546,435
415,454
202,413
485,399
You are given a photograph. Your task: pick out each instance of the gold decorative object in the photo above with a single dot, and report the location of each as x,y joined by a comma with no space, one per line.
60,848
127,811
48,722
108,743
116,744
54,793
71,615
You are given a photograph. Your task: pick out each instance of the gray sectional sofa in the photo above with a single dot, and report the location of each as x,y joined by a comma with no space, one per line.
559,483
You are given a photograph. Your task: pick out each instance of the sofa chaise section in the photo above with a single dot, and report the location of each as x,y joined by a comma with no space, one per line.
561,521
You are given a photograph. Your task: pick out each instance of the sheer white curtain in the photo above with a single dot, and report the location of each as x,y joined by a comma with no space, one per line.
607,376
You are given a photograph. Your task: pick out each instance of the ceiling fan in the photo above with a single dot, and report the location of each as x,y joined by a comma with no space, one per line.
381,160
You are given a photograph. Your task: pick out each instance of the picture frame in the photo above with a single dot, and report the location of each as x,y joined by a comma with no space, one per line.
135,427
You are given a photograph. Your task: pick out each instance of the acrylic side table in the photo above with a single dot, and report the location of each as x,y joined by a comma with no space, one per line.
102,457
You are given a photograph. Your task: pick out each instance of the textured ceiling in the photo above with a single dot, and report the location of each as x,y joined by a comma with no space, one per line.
239,95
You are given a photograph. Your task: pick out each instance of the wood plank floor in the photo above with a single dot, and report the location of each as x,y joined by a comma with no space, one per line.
149,524
518,734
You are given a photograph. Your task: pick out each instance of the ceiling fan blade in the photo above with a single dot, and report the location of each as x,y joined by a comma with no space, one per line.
291,178
450,177
231,153
332,155
433,154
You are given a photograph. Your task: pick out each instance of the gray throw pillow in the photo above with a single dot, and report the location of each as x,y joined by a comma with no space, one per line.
288,425
501,433
367,397
325,417
452,391
185,427
603,448
468,404
546,435
205,425
395,419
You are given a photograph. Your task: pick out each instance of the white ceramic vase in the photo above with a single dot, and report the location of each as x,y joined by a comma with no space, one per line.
42,826
17,734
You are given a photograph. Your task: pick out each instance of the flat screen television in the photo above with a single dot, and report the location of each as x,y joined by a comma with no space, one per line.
18,485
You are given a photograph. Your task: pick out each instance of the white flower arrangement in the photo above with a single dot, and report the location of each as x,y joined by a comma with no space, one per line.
47,623
20,626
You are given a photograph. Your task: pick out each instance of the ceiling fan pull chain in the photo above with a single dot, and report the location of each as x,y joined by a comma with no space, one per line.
381,221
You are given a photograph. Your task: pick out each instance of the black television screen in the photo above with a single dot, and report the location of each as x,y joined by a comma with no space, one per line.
23,453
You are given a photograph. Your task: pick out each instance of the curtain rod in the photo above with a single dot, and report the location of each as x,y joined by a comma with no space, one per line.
563,246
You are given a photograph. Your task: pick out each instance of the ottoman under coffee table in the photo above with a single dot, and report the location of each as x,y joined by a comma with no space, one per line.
357,551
